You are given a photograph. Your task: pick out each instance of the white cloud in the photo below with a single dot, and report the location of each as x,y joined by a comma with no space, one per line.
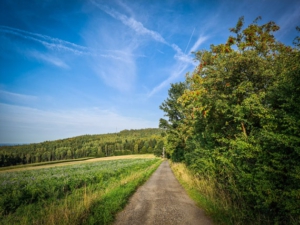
16,97
200,41
175,73
124,54
189,41
124,6
24,124
116,71
137,26
115,63
49,59
47,41
186,58
185,61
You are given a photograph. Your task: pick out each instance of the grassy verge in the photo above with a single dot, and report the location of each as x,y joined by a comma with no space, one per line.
216,203
104,210
105,191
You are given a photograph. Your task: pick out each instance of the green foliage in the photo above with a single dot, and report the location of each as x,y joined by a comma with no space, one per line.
241,122
122,143
158,150
36,189
174,111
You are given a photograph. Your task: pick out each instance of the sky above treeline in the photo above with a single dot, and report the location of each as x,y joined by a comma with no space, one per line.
70,68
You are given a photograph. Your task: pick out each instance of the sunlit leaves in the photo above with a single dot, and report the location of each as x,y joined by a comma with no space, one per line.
242,109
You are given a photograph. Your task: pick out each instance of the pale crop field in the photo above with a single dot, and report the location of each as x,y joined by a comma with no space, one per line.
89,192
33,167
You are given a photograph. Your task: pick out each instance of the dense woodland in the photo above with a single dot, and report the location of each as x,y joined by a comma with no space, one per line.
236,121
122,143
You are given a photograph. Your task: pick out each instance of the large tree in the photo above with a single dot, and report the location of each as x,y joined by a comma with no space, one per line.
242,113
174,113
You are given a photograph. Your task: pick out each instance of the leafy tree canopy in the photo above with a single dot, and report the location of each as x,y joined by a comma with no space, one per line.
240,120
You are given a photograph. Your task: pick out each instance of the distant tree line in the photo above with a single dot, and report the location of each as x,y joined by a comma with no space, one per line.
122,143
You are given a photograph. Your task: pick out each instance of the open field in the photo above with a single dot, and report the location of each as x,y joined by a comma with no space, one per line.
42,163
71,162
90,192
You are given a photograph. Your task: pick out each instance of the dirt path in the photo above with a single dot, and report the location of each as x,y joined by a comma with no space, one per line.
161,200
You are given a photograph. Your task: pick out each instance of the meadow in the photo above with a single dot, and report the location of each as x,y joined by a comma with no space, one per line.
82,193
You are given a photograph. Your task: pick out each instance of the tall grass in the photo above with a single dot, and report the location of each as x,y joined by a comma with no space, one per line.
90,203
212,197
216,203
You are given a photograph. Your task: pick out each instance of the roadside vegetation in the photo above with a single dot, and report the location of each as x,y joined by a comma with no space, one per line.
216,203
235,125
84,193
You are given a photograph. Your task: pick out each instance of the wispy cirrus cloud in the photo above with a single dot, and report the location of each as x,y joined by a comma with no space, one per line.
178,70
16,97
116,64
54,44
118,71
126,54
140,29
185,61
189,41
180,56
120,55
137,26
187,57
48,58
125,7
201,39
46,41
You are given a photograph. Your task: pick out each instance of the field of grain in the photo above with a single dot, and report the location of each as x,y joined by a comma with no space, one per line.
71,162
91,191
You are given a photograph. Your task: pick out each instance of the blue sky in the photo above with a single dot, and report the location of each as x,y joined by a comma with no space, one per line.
70,68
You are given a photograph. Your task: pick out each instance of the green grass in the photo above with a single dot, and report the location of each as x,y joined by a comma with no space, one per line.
103,211
90,193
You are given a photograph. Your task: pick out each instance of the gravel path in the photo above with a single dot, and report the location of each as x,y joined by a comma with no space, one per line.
161,200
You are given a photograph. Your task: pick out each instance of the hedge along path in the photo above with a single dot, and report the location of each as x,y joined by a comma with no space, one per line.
139,156
162,200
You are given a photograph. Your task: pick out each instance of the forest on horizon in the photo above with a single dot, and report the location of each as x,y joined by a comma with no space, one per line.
125,142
